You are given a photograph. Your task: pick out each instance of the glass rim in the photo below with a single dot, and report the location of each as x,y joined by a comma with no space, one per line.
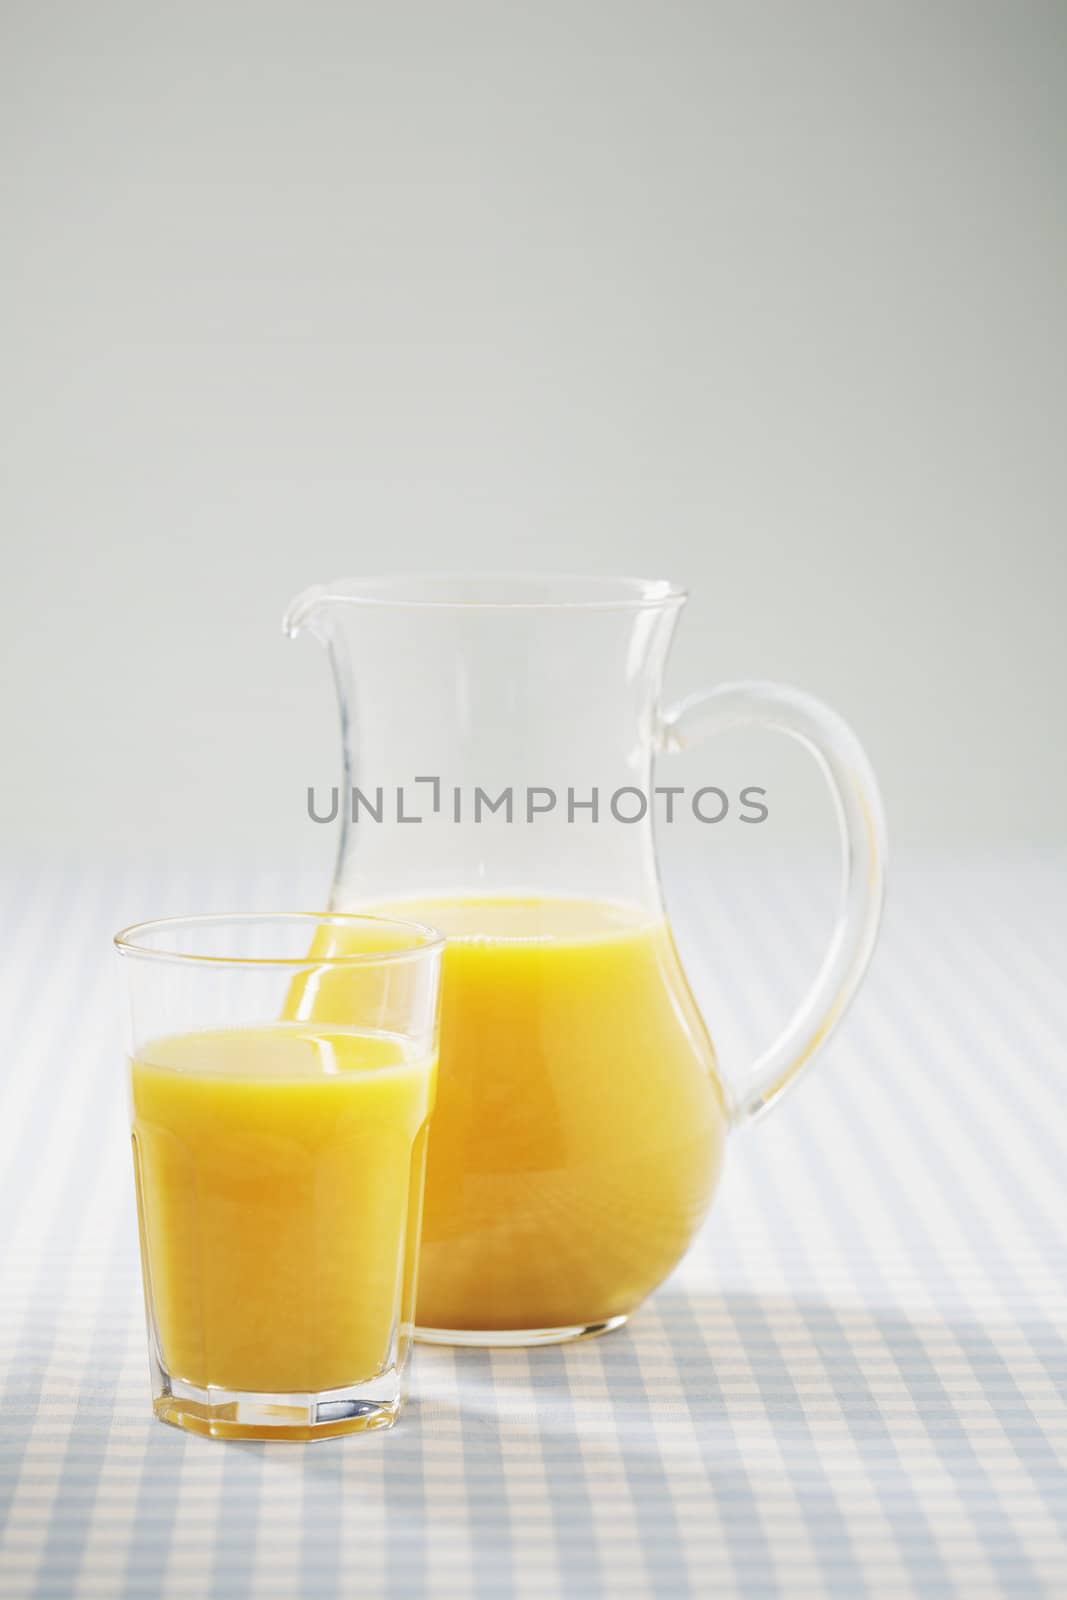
128,941
502,591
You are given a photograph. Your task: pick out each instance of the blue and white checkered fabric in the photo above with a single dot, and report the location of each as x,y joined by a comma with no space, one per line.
856,1384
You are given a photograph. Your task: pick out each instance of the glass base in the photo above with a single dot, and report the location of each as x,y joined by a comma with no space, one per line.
516,1338
239,1414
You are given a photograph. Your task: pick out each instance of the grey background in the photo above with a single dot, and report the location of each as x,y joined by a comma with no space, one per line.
764,298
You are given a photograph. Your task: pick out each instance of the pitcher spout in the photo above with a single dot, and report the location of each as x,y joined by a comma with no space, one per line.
303,609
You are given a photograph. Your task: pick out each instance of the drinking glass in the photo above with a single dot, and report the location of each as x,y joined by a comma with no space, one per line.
282,1071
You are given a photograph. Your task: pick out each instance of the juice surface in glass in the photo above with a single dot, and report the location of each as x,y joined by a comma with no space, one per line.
579,1126
279,1172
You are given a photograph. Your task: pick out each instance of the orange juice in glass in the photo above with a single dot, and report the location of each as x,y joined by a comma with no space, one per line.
279,1164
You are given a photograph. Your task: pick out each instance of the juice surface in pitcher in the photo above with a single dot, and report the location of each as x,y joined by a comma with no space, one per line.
578,1132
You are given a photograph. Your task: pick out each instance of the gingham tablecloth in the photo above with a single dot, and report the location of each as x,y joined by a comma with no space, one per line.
856,1384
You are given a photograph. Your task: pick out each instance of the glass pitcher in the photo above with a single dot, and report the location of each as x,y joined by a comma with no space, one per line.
501,739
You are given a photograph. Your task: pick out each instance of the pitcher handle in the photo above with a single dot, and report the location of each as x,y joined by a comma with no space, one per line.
861,824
